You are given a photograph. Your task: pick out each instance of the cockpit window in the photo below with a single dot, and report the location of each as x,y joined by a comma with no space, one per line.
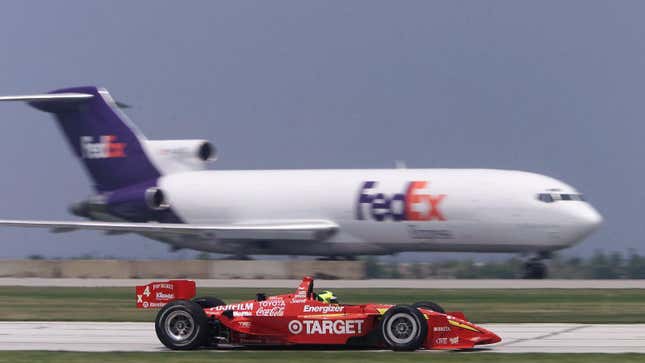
545,197
554,197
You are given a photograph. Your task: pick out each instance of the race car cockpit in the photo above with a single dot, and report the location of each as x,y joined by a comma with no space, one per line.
326,297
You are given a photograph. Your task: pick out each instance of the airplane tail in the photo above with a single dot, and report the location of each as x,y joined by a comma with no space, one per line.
100,134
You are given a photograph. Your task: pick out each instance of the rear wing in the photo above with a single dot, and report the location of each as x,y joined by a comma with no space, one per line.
157,294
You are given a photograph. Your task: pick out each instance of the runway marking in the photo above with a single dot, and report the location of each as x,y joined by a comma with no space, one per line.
545,336
517,338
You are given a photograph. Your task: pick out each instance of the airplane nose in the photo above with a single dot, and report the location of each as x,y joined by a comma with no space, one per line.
588,219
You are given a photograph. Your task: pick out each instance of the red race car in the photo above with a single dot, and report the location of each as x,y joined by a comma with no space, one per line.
301,318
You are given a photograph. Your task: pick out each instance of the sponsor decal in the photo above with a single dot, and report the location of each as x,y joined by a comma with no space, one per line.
333,327
153,304
454,340
271,303
271,307
270,311
323,309
106,148
238,314
244,324
441,341
239,306
441,328
295,327
162,296
300,296
411,205
162,286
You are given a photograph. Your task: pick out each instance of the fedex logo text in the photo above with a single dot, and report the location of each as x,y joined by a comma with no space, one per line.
412,205
107,147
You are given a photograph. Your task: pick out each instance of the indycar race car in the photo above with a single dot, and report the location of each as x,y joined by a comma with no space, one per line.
300,318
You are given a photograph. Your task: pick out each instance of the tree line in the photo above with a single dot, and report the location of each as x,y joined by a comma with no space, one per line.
600,265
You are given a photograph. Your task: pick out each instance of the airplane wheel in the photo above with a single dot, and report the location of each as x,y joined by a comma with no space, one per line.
182,325
535,269
208,302
429,305
403,328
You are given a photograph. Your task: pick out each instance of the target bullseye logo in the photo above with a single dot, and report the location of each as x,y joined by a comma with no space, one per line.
295,327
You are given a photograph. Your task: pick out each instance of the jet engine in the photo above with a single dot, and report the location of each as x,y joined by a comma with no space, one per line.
155,199
173,156
139,203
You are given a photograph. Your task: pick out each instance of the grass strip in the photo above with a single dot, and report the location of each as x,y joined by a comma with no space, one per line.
479,305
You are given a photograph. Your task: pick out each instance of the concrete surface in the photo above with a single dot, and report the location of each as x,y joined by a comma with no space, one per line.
517,338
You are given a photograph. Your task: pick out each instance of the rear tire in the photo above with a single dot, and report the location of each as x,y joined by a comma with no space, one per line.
208,301
429,305
182,325
403,328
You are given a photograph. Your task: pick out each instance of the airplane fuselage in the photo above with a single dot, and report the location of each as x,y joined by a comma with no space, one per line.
298,212
384,211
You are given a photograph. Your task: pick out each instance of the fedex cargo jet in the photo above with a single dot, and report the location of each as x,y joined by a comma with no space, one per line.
160,189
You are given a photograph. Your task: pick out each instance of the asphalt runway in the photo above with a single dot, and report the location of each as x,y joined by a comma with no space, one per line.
375,283
517,338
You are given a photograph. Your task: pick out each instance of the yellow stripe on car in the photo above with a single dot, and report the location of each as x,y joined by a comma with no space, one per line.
463,326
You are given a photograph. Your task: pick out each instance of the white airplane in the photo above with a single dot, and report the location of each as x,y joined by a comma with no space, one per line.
160,189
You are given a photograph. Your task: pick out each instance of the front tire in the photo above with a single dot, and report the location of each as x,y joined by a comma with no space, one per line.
429,305
182,325
403,328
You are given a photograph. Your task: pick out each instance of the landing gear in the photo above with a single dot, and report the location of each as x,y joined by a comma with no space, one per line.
237,258
337,258
535,268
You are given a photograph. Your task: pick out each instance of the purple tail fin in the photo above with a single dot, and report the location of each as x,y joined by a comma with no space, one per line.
102,137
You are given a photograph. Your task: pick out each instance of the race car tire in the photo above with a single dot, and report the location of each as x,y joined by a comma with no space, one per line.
403,328
182,325
208,301
429,305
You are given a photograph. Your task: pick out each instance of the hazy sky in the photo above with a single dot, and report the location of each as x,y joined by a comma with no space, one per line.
554,87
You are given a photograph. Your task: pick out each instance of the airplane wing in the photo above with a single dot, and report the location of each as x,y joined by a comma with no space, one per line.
49,97
287,230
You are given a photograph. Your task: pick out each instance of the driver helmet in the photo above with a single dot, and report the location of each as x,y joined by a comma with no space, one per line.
327,297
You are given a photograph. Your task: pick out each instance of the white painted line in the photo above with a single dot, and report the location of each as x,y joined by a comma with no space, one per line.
517,338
